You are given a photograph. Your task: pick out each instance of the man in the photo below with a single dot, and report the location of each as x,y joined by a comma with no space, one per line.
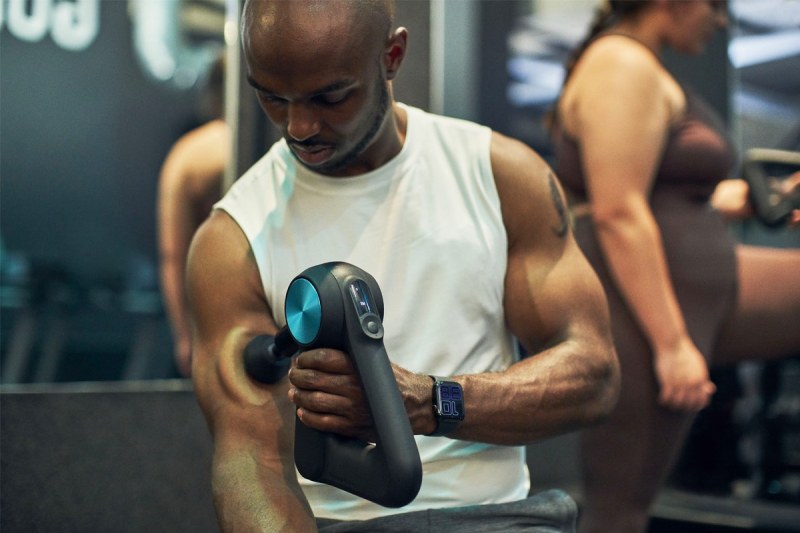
465,232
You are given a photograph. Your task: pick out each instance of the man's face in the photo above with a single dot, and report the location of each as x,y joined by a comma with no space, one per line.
338,152
326,94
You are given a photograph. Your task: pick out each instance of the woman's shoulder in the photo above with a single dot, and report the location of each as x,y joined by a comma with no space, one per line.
617,75
620,66
616,54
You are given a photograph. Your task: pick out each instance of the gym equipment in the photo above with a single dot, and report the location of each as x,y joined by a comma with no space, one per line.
762,169
338,305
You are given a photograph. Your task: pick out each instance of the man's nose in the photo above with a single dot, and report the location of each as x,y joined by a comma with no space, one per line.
303,123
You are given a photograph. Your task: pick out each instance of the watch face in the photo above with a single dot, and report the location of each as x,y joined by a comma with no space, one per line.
450,401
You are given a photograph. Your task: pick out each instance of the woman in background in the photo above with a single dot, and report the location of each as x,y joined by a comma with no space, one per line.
644,160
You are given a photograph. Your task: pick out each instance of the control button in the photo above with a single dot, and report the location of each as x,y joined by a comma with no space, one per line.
373,327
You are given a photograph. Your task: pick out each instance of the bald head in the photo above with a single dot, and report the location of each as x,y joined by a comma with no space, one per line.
354,22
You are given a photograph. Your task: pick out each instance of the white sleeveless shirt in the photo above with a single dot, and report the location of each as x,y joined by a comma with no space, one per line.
427,225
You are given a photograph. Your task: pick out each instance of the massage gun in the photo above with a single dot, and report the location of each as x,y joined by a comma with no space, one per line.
337,305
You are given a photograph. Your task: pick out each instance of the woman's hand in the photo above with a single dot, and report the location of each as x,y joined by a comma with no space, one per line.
731,199
683,379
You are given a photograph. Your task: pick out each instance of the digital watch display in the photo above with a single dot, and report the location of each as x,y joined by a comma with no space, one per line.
448,405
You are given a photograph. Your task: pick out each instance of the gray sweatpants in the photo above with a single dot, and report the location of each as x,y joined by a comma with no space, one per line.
552,511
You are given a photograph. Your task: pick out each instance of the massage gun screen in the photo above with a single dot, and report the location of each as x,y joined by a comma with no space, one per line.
361,299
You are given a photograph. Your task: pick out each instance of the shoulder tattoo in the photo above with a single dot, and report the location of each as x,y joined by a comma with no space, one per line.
561,209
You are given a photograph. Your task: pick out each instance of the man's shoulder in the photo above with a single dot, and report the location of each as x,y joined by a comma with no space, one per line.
444,121
517,167
444,136
259,191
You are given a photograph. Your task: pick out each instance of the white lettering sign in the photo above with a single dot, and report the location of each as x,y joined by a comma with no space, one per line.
73,24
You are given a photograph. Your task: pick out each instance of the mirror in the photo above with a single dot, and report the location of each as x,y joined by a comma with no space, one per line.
94,94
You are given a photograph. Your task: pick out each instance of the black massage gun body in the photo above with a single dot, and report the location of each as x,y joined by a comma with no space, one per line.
337,305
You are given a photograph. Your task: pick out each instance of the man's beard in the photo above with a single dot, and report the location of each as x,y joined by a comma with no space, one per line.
366,140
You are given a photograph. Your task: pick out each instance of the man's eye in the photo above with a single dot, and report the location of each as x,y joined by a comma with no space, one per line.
333,98
270,98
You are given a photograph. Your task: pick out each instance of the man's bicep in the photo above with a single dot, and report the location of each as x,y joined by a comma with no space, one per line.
550,286
551,299
228,310
254,479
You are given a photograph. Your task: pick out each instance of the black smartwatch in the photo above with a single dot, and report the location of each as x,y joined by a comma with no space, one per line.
448,405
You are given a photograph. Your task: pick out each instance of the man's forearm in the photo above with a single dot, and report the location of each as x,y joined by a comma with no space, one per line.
251,497
558,390
564,387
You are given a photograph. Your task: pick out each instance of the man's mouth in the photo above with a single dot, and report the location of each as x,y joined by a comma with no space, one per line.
313,154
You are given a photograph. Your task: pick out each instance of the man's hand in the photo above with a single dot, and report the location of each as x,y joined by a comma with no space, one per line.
327,392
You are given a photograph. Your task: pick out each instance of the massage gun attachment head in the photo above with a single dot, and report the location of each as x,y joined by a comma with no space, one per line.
267,358
315,316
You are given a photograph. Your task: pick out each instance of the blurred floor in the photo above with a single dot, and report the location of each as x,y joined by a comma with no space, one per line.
685,512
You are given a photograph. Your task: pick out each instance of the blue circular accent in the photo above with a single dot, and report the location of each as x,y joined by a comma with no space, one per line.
303,311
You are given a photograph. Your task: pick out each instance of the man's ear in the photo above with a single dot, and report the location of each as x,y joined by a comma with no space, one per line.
395,52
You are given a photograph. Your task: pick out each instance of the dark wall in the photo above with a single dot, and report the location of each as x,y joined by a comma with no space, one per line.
82,137
708,73
412,85
497,21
